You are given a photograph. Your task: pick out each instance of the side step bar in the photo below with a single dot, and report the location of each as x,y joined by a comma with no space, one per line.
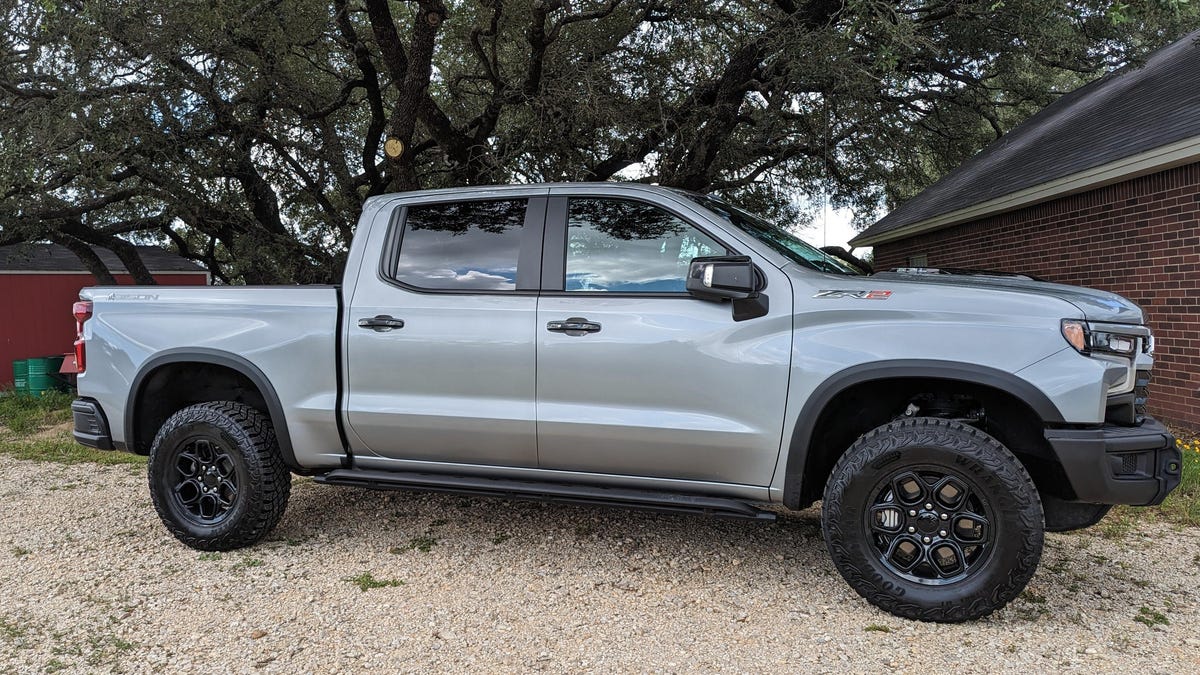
555,492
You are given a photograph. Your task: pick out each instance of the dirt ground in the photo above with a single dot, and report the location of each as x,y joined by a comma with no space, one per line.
356,581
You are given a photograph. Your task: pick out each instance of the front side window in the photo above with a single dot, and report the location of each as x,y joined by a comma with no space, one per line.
630,247
470,246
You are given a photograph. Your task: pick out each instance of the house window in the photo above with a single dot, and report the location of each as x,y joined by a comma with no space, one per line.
918,260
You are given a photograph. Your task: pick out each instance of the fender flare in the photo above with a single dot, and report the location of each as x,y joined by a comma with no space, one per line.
835,384
215,357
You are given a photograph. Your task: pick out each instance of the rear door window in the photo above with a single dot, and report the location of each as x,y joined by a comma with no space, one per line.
468,246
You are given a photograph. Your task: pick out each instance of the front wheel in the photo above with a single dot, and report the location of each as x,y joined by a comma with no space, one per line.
216,476
934,520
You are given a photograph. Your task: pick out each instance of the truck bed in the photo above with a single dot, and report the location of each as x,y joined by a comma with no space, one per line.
289,334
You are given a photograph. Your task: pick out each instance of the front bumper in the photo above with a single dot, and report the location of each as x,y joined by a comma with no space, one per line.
91,426
1119,464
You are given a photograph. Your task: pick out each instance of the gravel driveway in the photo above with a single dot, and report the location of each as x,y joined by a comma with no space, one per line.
91,581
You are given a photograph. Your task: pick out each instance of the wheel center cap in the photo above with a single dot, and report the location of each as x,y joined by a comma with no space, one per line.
927,522
210,480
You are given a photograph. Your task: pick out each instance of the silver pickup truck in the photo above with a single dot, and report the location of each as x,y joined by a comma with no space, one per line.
634,345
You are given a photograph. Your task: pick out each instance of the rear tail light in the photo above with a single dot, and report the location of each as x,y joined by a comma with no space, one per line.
82,311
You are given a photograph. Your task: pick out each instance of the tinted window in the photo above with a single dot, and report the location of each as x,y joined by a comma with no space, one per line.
462,246
624,246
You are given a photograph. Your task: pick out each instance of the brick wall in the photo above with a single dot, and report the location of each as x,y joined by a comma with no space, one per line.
1139,238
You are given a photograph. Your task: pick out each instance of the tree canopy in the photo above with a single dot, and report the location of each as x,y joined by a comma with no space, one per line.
246,134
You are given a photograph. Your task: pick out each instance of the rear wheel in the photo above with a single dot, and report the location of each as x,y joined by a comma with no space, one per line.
216,477
934,520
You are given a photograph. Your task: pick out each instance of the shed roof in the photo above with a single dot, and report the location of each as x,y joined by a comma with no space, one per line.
1133,121
56,258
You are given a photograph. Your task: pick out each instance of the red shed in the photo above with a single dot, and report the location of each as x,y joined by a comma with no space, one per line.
39,282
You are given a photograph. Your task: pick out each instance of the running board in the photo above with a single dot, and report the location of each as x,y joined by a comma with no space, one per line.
648,500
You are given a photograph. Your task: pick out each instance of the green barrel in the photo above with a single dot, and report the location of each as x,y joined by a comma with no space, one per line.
21,376
43,375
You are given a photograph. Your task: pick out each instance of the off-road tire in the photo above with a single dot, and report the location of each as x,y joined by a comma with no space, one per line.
263,483
962,450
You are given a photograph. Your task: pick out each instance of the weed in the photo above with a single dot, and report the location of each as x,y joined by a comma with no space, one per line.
211,555
423,543
584,531
1151,617
54,665
11,631
501,538
248,562
1030,596
20,551
366,581
877,628
25,414
1011,649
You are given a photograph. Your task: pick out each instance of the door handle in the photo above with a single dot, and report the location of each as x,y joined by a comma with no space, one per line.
573,326
381,324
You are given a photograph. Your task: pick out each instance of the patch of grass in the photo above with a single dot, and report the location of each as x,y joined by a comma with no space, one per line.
26,432
1181,507
423,544
64,450
10,630
366,581
1029,596
20,551
54,665
877,628
1151,617
248,562
24,414
210,555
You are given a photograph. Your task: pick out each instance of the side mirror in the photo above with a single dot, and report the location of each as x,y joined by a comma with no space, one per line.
723,278
731,277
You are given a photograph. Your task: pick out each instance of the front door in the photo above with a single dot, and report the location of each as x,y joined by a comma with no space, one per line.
636,377
440,341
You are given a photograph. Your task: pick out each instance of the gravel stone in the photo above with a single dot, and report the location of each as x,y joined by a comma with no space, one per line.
93,582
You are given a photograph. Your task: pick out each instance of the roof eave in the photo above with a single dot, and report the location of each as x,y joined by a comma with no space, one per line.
1151,161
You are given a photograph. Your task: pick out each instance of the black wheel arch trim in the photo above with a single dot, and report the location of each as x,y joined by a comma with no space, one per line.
219,358
835,384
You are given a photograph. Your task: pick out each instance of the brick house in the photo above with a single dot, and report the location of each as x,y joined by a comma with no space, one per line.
1101,189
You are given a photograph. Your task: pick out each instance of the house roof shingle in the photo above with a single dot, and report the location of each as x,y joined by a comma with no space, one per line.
56,258
1125,113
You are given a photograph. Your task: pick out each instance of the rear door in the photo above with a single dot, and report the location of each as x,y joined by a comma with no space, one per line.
440,343
635,376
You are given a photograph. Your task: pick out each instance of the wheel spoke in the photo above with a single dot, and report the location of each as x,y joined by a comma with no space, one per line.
226,494
188,492
887,519
224,466
209,506
950,493
909,488
946,559
905,553
969,528
187,464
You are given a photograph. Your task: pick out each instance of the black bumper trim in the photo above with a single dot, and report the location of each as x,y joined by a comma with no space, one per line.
1119,464
91,426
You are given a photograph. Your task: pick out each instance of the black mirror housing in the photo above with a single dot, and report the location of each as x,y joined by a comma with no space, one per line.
723,278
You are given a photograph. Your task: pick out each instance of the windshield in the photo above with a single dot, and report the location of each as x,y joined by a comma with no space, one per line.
774,236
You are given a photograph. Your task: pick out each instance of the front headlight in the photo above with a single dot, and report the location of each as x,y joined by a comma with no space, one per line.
1086,340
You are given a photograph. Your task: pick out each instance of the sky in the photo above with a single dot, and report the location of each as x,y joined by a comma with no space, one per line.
833,229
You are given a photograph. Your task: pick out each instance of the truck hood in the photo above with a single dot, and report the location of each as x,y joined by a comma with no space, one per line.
1096,305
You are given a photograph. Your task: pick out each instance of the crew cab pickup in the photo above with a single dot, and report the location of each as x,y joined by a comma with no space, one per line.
635,345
